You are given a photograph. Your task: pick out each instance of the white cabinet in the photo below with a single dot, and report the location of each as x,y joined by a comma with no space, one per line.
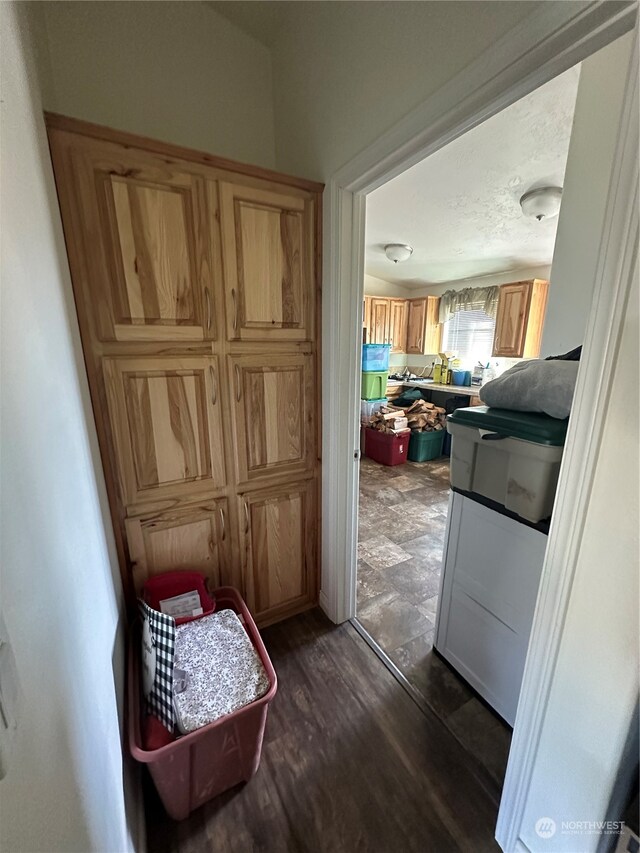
489,585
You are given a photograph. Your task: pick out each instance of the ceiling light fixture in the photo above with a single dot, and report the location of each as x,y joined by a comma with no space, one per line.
397,252
542,203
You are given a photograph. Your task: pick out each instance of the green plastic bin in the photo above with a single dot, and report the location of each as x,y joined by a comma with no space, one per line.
424,446
374,385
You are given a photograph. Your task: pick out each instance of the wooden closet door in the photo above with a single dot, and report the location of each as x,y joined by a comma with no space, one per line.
267,240
190,539
140,239
279,534
274,401
165,419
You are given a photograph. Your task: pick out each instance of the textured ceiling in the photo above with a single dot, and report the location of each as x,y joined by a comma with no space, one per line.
459,208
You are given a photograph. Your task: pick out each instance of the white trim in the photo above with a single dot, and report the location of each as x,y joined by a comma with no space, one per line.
550,40
614,275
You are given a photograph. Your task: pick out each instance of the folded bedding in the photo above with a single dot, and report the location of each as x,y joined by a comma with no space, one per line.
534,386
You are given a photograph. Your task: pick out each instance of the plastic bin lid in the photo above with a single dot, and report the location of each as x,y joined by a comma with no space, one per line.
528,426
365,346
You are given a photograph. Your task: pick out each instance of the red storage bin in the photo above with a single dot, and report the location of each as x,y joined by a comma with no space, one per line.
385,447
197,767
169,584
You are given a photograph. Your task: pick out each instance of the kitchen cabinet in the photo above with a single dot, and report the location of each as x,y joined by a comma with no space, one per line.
380,312
273,408
267,250
366,320
151,262
279,549
194,539
398,324
424,330
196,283
520,319
165,418
491,572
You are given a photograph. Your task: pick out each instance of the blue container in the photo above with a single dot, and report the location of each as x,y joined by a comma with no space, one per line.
375,357
461,377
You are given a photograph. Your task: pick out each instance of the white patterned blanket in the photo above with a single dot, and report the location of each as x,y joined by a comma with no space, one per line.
224,671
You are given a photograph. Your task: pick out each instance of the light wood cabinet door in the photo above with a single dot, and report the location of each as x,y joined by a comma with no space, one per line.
274,400
379,321
190,539
433,329
279,533
267,240
416,324
165,419
511,321
398,324
142,242
366,320
424,330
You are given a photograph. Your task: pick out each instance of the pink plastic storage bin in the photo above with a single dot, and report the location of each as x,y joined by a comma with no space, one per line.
197,767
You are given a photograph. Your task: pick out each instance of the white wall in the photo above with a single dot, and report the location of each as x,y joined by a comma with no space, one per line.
176,71
586,182
346,72
483,281
61,595
595,686
378,287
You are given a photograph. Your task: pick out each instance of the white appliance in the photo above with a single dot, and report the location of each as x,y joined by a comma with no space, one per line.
488,589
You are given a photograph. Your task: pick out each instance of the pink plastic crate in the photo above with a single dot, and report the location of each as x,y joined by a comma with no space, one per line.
197,767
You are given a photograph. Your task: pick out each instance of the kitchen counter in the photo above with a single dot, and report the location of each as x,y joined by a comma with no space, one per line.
468,390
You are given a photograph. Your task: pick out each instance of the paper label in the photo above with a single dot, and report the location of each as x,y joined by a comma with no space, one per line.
179,606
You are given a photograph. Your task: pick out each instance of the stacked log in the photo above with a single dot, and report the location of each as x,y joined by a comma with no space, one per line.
421,416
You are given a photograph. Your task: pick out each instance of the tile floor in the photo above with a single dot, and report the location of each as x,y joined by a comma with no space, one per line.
402,519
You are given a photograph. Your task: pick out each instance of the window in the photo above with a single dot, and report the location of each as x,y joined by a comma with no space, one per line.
469,333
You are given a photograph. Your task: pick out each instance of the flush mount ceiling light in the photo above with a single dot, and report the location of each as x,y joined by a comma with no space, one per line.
398,252
543,203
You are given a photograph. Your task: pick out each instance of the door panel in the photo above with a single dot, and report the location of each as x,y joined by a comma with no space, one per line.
273,411
398,325
149,253
165,417
379,321
267,250
279,538
511,322
193,539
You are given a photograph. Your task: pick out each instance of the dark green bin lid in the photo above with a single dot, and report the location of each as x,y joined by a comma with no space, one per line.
528,426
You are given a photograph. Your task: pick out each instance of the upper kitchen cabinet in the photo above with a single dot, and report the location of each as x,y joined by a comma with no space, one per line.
424,330
379,320
398,324
166,426
274,399
520,319
268,253
143,257
366,320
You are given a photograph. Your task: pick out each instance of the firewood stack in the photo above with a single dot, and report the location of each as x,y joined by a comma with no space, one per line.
419,417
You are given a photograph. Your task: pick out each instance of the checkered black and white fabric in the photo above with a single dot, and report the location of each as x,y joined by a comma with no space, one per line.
158,651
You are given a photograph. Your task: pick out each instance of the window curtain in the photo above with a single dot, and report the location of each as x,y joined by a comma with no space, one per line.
469,299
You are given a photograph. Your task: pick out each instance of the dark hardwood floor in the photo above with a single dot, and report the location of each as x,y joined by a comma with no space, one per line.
349,763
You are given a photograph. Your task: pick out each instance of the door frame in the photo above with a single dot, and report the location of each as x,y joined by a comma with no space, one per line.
546,43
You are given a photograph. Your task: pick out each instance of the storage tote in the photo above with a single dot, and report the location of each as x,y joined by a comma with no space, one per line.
374,385
375,357
385,447
198,766
424,446
510,457
370,407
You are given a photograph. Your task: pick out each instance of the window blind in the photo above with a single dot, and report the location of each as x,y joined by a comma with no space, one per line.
469,333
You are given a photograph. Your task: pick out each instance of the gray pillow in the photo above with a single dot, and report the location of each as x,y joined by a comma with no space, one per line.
534,386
